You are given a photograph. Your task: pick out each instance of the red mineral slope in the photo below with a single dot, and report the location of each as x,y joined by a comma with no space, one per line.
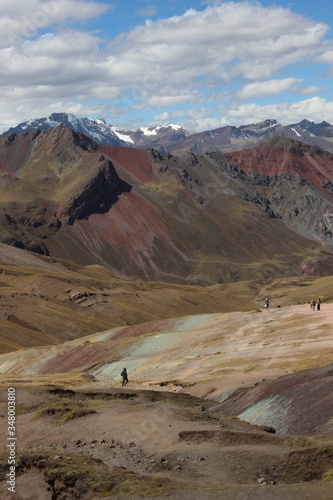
133,161
280,156
131,228
15,151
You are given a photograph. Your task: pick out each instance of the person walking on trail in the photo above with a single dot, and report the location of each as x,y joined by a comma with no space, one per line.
267,303
125,377
318,304
313,304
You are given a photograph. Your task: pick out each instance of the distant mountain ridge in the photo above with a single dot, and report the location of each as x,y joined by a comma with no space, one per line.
97,130
102,132
177,140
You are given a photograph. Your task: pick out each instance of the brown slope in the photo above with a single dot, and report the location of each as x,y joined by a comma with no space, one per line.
124,443
46,301
15,151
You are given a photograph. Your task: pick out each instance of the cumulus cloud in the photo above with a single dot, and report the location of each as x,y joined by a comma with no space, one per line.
316,109
23,18
215,55
326,57
218,42
172,98
161,117
221,43
310,90
268,88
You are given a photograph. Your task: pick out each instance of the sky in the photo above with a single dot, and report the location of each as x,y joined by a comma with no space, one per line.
196,63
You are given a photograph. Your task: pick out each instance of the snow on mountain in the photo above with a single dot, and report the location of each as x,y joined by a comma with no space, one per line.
102,132
171,125
177,140
98,130
122,136
294,130
153,130
148,130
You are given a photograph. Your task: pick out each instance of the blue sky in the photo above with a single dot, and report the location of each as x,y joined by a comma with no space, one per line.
200,64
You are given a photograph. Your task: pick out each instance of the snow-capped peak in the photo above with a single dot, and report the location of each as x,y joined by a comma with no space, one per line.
148,130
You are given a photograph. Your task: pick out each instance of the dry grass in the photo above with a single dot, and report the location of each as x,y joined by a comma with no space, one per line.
38,310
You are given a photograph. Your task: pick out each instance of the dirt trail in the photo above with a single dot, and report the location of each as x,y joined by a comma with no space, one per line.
126,443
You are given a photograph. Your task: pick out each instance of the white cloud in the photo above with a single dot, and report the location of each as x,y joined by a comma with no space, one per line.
226,54
161,117
316,109
310,90
204,118
218,42
166,98
326,57
268,88
23,18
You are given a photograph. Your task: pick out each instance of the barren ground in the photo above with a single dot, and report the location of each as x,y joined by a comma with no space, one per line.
81,435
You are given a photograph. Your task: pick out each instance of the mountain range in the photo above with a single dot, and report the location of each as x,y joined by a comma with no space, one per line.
198,218
177,140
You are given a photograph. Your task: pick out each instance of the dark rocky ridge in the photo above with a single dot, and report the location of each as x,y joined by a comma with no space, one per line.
98,196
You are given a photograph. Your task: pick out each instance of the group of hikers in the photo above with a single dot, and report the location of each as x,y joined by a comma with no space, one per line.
315,303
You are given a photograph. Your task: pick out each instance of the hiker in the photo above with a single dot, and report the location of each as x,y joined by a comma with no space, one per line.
313,304
267,303
318,304
124,375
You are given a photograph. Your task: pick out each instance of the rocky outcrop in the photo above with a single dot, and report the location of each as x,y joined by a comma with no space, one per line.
95,197
293,182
